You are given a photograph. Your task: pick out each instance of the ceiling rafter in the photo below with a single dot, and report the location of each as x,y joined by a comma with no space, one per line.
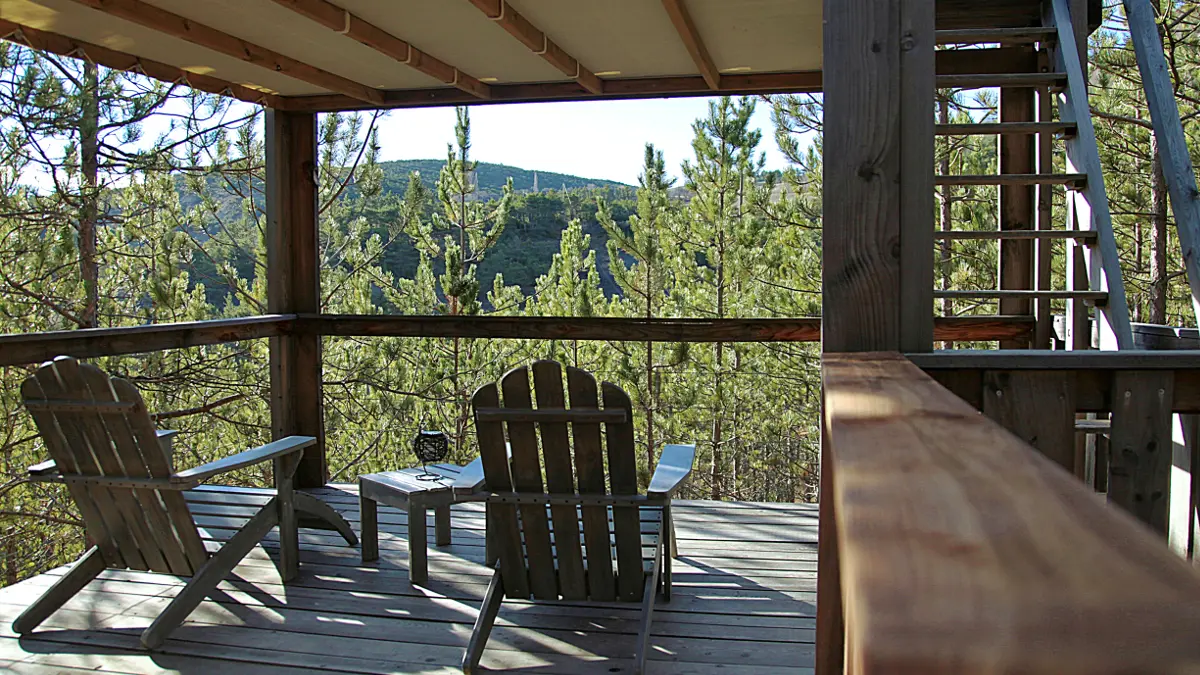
168,23
110,58
539,43
352,26
691,40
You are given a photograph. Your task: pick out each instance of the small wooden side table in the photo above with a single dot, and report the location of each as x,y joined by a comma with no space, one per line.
403,490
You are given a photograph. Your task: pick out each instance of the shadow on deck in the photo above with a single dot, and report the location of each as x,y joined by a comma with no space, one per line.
744,601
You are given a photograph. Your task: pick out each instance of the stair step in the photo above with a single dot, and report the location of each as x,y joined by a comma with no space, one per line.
1015,234
1004,36
982,80
1093,426
1029,295
1077,180
992,128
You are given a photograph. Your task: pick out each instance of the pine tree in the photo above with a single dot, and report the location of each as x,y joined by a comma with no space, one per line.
723,230
644,281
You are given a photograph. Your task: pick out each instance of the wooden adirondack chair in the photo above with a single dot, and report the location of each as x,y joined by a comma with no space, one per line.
533,527
104,447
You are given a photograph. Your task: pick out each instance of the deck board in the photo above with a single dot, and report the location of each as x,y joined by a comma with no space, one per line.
744,601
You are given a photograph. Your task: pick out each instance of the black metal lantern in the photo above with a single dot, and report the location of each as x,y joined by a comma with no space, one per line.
430,447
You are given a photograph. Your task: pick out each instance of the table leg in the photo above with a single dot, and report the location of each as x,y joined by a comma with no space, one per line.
370,528
418,566
441,524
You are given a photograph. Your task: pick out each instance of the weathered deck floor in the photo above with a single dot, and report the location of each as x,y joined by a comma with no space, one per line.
745,589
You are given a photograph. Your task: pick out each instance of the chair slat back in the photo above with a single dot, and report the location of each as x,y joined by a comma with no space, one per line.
538,543
94,425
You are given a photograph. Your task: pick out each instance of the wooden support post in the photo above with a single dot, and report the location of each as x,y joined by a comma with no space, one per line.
879,83
293,284
1043,333
1139,473
1016,205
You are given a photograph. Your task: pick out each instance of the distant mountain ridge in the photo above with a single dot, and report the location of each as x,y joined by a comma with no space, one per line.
491,177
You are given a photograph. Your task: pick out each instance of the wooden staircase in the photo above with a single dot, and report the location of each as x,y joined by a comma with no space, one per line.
1029,133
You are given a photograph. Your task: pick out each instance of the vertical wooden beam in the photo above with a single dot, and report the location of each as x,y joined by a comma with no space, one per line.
1139,471
878,177
917,89
1038,407
1016,205
877,250
1043,333
293,284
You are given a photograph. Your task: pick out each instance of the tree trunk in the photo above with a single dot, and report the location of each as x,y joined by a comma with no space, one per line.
1158,238
89,153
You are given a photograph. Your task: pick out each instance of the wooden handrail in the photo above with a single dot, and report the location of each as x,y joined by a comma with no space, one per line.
963,550
20,349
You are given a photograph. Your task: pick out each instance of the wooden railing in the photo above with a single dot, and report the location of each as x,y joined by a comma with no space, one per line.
20,349
1135,399
949,545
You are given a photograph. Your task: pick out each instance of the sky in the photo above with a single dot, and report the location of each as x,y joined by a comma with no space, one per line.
599,139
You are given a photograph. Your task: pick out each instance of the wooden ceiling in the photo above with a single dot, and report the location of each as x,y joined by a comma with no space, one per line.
352,54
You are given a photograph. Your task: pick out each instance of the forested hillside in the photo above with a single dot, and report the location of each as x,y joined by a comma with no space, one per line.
127,201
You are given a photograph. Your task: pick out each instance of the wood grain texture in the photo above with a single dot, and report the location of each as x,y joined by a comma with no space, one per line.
963,550
527,477
1038,407
356,28
110,58
861,243
1083,156
1044,214
917,69
690,36
622,477
168,23
589,469
1140,442
503,530
539,43
560,478
22,348
294,285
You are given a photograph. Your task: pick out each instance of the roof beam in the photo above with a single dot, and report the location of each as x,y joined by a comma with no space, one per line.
110,58
177,26
614,89
539,43
343,21
691,39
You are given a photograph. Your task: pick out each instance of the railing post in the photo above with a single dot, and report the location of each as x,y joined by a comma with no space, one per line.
293,284
877,243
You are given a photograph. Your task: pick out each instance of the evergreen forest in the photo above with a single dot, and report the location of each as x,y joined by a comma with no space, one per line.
126,201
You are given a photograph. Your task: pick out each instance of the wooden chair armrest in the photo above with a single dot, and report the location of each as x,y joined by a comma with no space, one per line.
470,479
674,467
46,469
263,453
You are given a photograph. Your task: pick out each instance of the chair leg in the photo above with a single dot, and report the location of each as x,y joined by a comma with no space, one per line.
86,569
483,623
648,595
311,506
289,534
210,574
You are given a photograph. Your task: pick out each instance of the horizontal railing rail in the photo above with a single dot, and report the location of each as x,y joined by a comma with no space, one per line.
949,545
25,348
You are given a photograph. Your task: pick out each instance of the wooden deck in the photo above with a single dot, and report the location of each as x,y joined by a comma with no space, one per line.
744,602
